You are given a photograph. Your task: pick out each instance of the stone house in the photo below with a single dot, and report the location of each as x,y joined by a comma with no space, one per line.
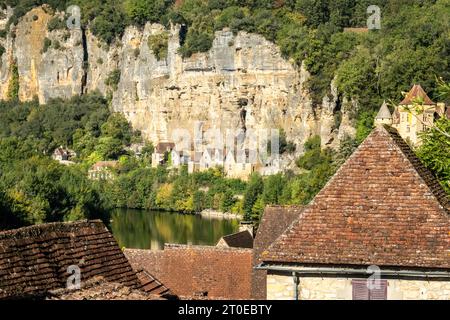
162,149
179,158
102,170
382,212
274,222
63,155
409,120
241,165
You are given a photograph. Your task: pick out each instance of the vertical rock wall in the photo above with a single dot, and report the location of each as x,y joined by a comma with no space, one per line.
242,82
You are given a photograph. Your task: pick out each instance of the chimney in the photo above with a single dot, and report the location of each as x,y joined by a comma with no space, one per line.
246,226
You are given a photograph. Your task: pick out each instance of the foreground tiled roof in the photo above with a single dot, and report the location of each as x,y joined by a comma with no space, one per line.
274,221
35,260
242,239
382,207
416,92
153,286
198,272
98,288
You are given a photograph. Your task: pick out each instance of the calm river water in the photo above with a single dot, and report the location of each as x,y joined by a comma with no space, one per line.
146,229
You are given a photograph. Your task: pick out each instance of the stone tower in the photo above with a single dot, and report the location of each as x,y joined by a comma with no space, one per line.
384,116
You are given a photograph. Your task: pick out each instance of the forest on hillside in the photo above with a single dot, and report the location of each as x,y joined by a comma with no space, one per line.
412,45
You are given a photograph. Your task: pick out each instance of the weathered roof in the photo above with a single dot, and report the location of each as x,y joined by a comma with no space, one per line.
164,147
98,288
273,223
35,260
105,164
242,239
382,207
153,286
193,272
416,92
384,112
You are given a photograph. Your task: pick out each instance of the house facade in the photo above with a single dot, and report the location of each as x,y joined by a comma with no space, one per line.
161,152
379,229
413,115
102,170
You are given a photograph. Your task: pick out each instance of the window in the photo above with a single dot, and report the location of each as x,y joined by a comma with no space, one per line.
360,290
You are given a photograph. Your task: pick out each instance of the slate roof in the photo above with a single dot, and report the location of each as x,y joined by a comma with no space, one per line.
35,260
274,222
384,112
416,92
382,207
242,239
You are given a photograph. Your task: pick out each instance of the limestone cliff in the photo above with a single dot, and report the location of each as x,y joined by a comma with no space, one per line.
242,82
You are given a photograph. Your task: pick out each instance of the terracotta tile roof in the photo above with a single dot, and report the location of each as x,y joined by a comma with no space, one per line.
198,272
164,147
274,222
357,30
153,286
35,260
242,239
416,92
98,288
382,207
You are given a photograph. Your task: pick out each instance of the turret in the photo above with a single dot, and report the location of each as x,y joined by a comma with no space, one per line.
384,116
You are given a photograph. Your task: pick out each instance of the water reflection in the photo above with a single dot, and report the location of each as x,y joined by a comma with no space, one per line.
145,229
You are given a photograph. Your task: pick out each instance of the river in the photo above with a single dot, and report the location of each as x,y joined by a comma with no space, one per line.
147,229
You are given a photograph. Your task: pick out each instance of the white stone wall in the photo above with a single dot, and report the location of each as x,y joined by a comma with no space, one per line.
281,287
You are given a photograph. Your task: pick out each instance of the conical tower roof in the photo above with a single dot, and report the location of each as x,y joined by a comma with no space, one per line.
384,112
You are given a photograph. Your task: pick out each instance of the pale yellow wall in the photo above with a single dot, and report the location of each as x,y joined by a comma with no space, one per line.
281,287
415,126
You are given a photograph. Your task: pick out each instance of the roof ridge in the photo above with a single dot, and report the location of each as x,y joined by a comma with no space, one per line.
435,187
47,227
414,92
296,243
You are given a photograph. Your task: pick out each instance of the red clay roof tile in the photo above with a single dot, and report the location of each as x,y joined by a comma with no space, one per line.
382,207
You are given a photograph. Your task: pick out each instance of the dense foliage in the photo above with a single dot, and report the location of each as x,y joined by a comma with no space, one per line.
411,47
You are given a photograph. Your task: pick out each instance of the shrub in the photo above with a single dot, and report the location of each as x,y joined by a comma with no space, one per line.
13,86
46,45
159,45
136,52
56,45
113,79
56,23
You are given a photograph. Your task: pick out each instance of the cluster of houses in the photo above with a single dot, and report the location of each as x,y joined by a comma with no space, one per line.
378,230
239,164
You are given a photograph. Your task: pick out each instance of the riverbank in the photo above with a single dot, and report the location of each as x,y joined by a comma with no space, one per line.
208,213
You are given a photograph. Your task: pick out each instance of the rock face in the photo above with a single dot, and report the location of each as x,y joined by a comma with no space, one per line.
243,82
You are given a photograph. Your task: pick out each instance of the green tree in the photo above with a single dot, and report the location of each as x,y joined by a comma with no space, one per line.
254,190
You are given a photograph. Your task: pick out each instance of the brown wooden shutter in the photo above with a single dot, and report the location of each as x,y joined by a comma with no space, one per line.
360,290
380,293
